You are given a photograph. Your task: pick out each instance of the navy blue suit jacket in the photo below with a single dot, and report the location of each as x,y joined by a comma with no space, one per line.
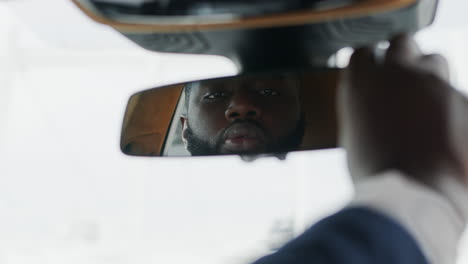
352,236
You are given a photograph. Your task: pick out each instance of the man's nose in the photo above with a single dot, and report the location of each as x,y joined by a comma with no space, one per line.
242,106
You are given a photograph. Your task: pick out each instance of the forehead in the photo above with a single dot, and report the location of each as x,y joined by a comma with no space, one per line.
283,81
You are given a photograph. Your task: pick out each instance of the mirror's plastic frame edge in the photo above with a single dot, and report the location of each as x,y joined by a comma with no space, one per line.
363,8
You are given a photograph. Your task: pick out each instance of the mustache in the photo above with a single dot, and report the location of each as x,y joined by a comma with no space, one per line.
223,134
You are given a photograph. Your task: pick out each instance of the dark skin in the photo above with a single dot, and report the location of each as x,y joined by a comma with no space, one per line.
402,113
243,115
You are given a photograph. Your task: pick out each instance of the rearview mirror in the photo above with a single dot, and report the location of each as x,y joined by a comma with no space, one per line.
274,112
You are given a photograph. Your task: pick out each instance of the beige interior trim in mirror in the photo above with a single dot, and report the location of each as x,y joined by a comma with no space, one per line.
361,8
146,123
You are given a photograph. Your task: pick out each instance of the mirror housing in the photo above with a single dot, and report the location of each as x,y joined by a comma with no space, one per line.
285,38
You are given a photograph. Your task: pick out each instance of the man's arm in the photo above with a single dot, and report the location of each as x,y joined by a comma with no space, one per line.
398,126
431,217
352,236
402,126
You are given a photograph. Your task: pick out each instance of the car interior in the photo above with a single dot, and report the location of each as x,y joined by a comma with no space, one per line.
96,160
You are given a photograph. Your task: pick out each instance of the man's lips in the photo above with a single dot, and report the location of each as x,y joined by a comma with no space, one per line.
243,137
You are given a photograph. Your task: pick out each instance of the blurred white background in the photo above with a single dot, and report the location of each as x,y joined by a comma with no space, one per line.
68,195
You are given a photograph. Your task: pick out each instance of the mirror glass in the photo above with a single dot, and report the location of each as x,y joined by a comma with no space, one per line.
263,113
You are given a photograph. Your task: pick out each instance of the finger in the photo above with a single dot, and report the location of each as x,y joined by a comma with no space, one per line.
362,58
403,50
353,80
459,128
436,64
361,64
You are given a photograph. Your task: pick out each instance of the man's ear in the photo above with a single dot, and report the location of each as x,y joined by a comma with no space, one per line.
184,122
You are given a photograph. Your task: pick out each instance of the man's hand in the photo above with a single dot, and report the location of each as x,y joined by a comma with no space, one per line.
396,113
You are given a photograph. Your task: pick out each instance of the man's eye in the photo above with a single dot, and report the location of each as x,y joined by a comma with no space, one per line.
213,96
268,92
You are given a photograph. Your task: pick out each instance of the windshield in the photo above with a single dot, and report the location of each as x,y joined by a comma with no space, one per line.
67,193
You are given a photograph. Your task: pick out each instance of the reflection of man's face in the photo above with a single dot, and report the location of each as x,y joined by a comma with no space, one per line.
243,115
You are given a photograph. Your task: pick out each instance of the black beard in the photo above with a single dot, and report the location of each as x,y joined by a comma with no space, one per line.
199,147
